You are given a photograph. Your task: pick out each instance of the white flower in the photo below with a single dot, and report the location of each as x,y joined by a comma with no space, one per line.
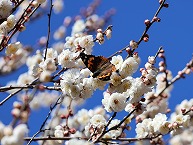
82,117
17,137
71,75
86,42
144,128
158,120
69,42
45,76
98,121
133,44
67,59
151,59
60,33
58,6
115,102
49,64
51,53
117,61
78,26
116,132
164,129
115,79
87,90
24,79
128,67
78,142
13,47
59,132
138,88
5,8
11,21
108,33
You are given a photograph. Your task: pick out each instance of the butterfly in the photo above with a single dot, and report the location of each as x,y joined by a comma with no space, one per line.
100,66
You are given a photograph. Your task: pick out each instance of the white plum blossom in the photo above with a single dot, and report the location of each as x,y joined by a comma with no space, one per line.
17,136
159,123
58,6
82,117
24,79
117,61
59,132
75,141
116,132
115,102
137,89
45,76
144,128
128,67
69,42
5,8
51,53
13,47
11,21
67,59
60,33
98,121
86,42
78,26
115,79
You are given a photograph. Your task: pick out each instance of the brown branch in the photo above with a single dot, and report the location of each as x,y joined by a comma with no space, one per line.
12,94
19,23
59,101
151,23
114,127
177,77
84,138
49,24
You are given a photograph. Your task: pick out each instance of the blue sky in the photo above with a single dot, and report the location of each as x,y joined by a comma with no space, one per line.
174,33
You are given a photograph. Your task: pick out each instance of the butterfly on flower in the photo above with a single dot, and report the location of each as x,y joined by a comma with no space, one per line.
100,66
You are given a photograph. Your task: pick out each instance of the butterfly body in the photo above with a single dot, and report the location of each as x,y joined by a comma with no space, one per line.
100,66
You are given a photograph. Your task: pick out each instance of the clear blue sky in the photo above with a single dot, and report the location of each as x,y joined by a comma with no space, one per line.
174,33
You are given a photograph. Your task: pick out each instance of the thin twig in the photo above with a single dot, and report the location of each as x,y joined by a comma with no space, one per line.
43,124
49,23
12,94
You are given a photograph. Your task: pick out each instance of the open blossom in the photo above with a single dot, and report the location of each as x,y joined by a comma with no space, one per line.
67,59
17,137
59,132
137,89
128,67
13,47
78,27
159,123
5,8
98,121
144,128
116,132
117,61
25,79
115,102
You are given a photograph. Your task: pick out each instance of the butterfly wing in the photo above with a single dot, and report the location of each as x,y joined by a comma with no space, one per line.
100,66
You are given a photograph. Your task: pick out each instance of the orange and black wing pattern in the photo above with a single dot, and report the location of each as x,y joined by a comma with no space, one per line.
100,66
